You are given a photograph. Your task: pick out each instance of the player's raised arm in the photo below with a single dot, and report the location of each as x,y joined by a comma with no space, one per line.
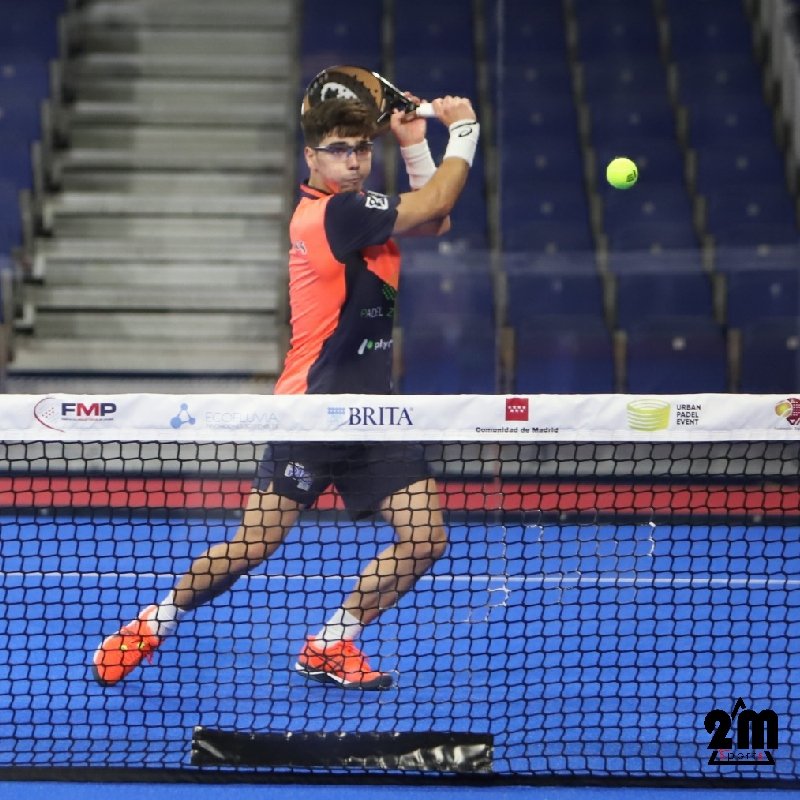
435,199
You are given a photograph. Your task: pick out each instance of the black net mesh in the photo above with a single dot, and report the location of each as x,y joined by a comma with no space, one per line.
597,614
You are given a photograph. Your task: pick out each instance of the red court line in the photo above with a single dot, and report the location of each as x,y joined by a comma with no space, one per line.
214,493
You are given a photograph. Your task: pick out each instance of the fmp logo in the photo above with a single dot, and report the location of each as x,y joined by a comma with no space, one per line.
52,412
517,409
756,735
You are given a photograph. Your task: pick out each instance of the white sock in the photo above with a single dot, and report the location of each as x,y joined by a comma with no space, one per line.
341,626
166,617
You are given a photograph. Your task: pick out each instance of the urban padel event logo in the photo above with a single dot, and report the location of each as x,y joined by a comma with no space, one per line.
756,736
59,415
648,414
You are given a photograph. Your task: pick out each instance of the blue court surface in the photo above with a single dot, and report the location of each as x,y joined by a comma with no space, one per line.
589,649
51,791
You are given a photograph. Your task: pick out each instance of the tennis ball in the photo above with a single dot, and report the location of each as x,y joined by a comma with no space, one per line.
622,173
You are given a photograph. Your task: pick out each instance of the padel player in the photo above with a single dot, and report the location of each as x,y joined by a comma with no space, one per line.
343,277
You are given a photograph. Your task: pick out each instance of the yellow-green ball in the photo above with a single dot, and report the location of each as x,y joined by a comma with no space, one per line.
622,173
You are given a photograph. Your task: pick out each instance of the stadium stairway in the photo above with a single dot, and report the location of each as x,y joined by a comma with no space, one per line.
161,200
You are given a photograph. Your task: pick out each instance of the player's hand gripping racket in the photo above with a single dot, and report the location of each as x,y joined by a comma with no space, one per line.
369,88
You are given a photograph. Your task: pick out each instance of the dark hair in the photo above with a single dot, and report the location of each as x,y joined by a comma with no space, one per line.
340,116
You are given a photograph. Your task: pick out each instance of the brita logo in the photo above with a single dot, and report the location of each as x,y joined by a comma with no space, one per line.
378,415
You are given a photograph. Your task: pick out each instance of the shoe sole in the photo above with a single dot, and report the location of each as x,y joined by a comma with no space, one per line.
379,684
98,679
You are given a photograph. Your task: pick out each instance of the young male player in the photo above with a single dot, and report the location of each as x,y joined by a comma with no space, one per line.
342,260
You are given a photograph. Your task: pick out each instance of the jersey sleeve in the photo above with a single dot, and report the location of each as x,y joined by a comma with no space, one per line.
354,220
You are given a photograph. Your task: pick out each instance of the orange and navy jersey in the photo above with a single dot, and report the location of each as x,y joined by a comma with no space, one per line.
343,275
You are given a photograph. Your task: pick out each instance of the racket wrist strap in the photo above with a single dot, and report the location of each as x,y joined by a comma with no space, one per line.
419,163
463,141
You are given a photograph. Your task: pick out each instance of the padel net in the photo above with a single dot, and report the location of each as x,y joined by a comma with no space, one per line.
618,602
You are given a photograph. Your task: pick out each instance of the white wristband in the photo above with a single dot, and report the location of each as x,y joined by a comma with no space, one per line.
463,141
419,163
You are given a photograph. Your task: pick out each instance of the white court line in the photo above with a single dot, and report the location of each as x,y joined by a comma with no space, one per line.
559,580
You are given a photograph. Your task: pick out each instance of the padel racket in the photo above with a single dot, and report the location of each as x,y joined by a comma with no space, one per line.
369,88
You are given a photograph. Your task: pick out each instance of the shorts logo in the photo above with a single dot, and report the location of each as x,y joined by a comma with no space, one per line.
299,474
376,200
517,409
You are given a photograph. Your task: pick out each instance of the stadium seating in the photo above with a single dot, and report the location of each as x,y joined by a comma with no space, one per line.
347,33
570,286
742,163
563,354
709,76
641,295
770,356
676,355
29,28
713,26
546,236
527,119
15,159
754,214
607,28
649,204
434,285
443,28
449,354
753,295
625,121
756,257
10,222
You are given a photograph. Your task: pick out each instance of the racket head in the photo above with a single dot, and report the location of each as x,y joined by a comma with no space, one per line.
357,83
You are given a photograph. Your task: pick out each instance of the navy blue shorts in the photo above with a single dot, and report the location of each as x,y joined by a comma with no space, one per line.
364,474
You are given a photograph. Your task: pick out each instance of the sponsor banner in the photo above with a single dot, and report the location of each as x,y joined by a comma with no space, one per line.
710,417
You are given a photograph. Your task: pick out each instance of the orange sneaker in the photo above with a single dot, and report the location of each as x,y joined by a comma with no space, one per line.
123,651
341,663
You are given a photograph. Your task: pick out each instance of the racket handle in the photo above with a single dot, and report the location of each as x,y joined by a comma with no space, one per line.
424,110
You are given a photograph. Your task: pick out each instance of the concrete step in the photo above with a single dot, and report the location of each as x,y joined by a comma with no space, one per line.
248,42
177,228
88,66
110,355
248,116
184,93
152,250
181,183
167,138
164,160
146,326
65,272
82,384
187,298
217,15
60,207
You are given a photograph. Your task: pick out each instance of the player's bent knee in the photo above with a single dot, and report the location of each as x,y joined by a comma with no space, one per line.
439,542
433,546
